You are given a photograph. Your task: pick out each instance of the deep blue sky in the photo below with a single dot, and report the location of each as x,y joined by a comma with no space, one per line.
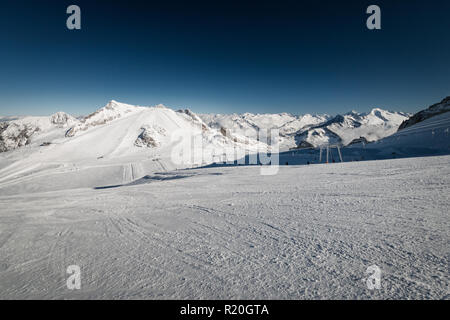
224,56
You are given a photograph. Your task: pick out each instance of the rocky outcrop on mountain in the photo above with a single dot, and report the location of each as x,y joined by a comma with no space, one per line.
317,137
359,140
150,136
434,110
14,136
194,118
302,123
63,119
303,145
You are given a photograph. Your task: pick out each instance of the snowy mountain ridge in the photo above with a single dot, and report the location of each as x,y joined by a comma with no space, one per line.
122,143
314,130
434,110
295,131
350,127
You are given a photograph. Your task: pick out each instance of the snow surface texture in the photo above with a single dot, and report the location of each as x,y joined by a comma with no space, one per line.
309,232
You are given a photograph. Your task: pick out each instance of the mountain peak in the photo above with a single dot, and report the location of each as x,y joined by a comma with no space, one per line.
352,113
61,118
113,104
446,100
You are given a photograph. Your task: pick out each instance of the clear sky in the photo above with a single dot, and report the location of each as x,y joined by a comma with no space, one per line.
224,56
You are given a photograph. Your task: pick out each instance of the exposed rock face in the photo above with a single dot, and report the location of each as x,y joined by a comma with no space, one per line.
359,140
62,119
223,131
3,127
13,135
434,110
304,145
316,137
150,137
146,140
195,118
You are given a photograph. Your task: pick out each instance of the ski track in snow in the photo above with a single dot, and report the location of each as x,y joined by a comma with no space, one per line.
309,232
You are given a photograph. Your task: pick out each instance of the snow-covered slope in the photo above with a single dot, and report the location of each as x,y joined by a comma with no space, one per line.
345,129
425,134
309,232
434,110
427,137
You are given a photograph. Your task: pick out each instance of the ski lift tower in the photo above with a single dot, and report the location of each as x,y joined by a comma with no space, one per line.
328,152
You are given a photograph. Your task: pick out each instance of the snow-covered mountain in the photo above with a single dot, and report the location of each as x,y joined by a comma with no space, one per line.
17,132
116,144
295,131
120,143
314,130
434,110
249,123
428,133
351,127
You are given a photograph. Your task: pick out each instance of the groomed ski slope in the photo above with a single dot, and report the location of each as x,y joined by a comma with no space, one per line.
309,232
